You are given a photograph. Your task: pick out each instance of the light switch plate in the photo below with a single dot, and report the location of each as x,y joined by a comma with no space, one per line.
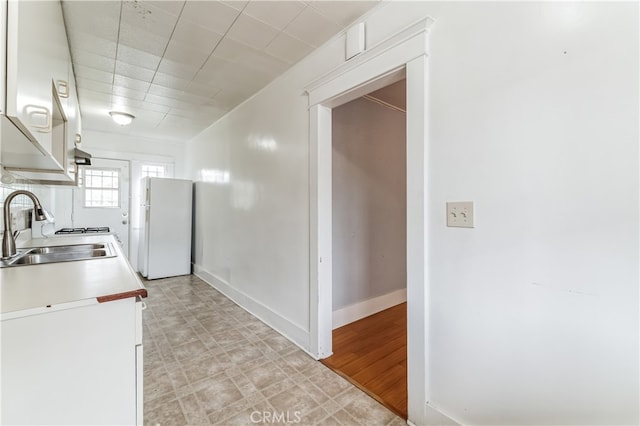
460,214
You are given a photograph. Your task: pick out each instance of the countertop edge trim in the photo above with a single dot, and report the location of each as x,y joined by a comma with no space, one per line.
141,292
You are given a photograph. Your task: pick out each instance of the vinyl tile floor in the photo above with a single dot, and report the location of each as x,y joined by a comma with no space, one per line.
209,362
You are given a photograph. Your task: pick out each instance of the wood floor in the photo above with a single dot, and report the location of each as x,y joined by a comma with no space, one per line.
372,354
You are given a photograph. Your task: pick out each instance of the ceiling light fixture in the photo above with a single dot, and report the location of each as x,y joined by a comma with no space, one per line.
121,118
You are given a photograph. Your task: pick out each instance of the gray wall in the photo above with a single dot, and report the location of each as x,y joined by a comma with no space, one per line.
369,202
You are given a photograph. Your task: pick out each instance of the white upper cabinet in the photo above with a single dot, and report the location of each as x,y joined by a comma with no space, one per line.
41,101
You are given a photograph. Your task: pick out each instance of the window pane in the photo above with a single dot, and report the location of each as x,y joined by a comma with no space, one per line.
101,188
153,170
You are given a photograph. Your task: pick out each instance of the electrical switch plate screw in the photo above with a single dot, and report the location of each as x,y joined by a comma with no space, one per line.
460,214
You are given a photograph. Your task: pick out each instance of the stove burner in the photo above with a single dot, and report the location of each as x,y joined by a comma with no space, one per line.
98,229
93,230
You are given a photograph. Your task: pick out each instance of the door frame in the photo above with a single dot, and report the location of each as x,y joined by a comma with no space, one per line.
403,55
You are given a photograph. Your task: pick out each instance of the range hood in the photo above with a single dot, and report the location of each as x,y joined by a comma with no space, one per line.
82,158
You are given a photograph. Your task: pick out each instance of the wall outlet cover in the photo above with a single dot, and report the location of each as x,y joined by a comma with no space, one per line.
460,214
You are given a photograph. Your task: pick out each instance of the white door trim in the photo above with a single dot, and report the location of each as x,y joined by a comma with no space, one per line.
402,54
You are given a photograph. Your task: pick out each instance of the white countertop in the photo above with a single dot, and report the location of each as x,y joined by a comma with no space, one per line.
37,288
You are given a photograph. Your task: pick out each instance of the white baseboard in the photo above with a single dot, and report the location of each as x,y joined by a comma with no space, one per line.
434,417
360,310
291,331
437,417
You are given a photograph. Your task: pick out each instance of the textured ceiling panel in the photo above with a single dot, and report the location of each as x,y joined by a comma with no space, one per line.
179,66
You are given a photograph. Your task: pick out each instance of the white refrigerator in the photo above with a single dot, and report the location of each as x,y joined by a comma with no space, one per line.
165,239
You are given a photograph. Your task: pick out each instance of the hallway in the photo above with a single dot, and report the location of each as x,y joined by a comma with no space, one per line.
207,361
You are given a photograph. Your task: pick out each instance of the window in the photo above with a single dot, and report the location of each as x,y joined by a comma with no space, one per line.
153,171
101,187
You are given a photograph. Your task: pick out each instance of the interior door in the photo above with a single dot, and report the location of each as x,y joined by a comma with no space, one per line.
103,198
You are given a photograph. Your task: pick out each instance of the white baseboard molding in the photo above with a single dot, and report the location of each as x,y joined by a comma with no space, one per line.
437,417
291,331
434,417
360,310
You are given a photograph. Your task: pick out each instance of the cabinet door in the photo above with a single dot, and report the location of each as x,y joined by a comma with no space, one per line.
3,57
37,58
70,366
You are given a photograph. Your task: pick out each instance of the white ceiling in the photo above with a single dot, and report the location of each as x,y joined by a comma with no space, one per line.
178,66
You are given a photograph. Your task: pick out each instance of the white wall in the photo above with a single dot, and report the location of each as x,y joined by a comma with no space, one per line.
533,115
124,147
369,202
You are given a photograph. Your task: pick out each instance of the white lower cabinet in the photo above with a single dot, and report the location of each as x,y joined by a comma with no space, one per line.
80,365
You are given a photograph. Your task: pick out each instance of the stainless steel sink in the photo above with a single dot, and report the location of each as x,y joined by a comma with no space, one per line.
67,249
55,254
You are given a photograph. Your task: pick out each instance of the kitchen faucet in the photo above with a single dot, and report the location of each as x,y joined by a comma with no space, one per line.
8,240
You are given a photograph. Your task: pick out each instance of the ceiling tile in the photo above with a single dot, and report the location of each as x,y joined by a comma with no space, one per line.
163,100
156,107
170,81
211,68
128,93
86,41
207,90
89,97
99,18
343,12
88,73
93,85
131,83
236,4
195,100
165,91
176,69
142,40
133,71
288,49
275,13
92,60
137,57
166,73
147,17
139,104
170,6
312,27
195,36
185,54
154,116
191,113
264,62
231,50
120,102
213,15
252,32
248,79
228,98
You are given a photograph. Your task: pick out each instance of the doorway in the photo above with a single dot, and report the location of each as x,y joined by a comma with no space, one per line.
369,239
401,55
103,198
